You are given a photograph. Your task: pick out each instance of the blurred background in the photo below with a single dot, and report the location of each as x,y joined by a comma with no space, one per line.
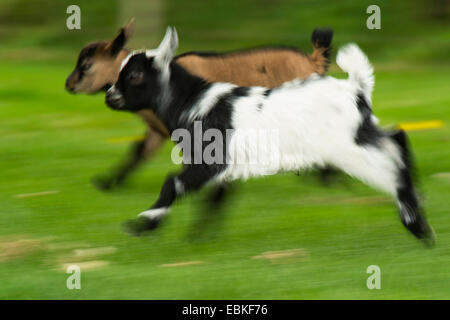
281,237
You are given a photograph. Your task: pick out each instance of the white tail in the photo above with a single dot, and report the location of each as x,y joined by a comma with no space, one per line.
353,61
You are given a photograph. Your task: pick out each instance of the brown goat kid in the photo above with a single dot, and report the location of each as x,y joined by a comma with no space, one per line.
99,63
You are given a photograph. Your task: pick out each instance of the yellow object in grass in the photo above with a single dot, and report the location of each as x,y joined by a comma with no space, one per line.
421,125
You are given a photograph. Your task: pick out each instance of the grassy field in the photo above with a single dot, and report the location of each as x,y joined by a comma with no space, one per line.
52,141
324,238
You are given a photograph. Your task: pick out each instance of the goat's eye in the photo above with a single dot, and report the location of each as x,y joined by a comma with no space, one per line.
136,77
86,67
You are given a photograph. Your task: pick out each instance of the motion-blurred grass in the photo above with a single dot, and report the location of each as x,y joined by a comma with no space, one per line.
53,141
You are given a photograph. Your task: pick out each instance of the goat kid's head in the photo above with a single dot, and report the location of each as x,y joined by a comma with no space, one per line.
144,77
99,63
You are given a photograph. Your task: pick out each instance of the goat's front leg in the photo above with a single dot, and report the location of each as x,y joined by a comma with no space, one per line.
191,179
140,151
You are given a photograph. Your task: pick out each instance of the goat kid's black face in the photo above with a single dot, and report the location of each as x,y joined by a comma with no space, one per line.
144,79
137,87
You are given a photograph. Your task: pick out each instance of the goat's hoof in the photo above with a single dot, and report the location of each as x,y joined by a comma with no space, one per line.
103,183
138,226
430,239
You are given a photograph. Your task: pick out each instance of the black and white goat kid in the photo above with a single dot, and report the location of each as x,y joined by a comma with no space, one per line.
321,121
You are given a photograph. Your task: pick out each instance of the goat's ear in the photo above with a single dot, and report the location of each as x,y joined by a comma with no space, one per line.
167,47
129,28
116,45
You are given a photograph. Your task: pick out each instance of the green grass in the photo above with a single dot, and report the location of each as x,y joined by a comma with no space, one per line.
54,141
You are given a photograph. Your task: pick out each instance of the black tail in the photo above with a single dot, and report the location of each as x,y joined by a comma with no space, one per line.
411,212
321,39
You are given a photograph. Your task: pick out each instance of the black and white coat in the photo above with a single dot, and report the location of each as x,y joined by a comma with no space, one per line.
319,121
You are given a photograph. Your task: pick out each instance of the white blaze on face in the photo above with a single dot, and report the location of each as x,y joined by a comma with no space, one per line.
113,92
114,98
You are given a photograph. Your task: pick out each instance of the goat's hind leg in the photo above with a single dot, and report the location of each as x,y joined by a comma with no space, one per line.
192,178
411,212
386,165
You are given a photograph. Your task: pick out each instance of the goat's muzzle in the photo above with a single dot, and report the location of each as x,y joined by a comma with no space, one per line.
114,99
69,84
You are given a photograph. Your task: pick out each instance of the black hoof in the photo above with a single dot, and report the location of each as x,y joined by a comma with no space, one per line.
104,183
422,231
428,237
430,241
138,226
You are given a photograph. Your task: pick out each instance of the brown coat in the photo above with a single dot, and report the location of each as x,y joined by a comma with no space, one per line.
267,67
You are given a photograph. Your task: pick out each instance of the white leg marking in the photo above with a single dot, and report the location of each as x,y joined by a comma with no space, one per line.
179,187
154,213
407,213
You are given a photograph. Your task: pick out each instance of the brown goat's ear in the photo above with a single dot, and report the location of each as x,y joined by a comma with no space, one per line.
129,28
116,45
